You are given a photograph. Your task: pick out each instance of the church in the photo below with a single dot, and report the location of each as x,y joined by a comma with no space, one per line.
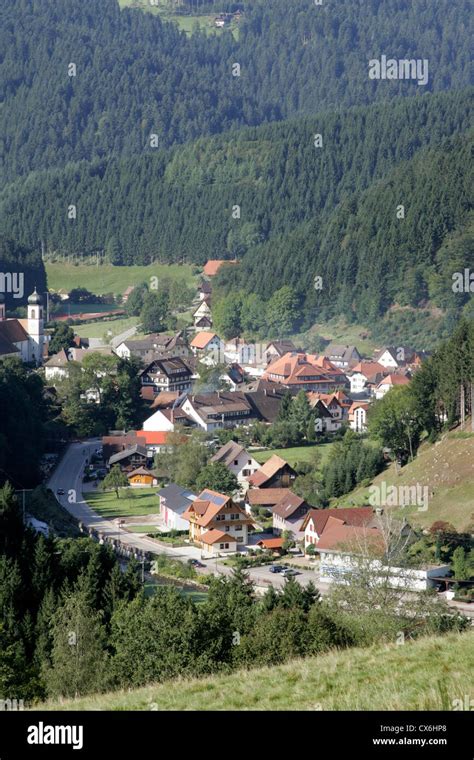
23,338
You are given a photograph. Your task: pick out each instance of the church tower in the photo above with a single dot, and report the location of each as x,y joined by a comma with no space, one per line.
35,327
2,307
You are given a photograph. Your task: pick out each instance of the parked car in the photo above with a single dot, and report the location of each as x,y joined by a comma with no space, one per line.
196,563
276,568
60,492
289,571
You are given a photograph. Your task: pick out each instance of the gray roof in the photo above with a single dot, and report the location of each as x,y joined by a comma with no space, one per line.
137,449
228,452
177,498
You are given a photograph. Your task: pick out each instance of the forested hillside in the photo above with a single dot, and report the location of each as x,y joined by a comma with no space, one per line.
135,75
331,210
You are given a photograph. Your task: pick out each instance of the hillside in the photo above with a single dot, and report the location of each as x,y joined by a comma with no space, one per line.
423,675
304,212
126,85
447,468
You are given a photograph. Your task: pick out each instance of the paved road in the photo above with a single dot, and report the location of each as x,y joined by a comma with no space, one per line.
68,476
125,335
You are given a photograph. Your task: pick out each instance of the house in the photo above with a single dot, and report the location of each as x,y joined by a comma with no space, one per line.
275,473
165,420
130,458
203,324
205,289
216,523
208,348
344,357
156,343
203,311
264,497
58,366
164,400
316,520
358,416
212,266
389,382
278,348
239,351
174,501
142,477
155,441
23,338
233,376
266,401
365,376
288,515
394,357
238,461
329,409
167,374
222,409
274,545
306,372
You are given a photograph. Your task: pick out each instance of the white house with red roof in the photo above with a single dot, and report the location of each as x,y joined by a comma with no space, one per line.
358,416
208,348
365,376
389,382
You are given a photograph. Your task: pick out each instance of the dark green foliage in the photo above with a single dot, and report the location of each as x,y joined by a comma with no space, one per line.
63,337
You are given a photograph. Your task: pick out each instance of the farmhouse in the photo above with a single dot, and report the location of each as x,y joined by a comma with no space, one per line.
288,515
316,520
208,347
167,374
344,357
390,382
238,461
130,458
212,411
275,473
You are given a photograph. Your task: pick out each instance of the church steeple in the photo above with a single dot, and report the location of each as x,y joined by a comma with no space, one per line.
36,326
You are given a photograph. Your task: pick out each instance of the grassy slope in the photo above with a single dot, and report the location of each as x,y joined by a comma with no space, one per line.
424,675
111,279
185,23
447,468
295,453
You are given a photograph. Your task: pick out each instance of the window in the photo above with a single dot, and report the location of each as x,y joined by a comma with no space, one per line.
249,461
245,472
236,462
240,539
226,546
221,546
238,527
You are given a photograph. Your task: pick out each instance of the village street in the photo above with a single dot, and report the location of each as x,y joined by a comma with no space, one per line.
68,477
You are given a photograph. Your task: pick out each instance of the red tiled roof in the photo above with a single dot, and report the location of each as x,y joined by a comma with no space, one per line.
356,516
213,265
152,437
394,380
266,496
355,539
215,536
202,339
271,543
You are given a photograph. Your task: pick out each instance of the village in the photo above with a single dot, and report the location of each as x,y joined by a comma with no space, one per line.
258,520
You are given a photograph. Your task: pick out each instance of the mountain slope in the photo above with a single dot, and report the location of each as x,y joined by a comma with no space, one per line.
127,83
447,469
427,674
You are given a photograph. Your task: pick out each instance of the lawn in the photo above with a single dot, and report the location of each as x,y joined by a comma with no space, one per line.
141,501
339,331
103,328
296,453
427,674
107,278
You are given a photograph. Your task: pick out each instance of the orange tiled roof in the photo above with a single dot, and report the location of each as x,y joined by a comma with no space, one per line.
215,536
202,339
213,265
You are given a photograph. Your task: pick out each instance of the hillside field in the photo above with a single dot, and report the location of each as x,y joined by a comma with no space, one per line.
447,468
427,674
107,278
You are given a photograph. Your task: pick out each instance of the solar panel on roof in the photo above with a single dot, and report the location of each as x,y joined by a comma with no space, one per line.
217,500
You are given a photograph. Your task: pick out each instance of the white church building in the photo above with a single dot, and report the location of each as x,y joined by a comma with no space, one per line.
23,338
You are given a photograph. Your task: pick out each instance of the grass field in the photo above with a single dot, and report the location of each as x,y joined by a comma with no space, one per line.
185,23
296,453
107,278
427,674
447,469
339,331
141,501
104,328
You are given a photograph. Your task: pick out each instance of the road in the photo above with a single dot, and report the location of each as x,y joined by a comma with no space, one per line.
68,477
